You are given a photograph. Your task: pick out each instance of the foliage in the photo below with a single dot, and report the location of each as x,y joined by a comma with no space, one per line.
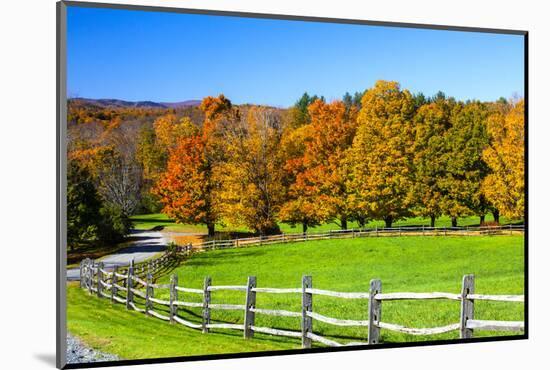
382,154
188,188
431,123
185,189
319,192
251,176
465,169
89,219
83,206
505,156
150,154
380,159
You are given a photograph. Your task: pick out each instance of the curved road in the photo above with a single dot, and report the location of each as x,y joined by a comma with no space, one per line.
143,245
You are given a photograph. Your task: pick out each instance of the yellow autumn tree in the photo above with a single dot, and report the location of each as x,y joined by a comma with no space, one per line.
169,129
380,159
505,156
251,175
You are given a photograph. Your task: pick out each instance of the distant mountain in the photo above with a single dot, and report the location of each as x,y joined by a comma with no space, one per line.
138,104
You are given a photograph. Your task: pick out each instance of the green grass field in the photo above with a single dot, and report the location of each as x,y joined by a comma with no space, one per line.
404,264
149,221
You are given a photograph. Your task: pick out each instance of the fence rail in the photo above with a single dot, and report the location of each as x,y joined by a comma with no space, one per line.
103,284
156,265
361,233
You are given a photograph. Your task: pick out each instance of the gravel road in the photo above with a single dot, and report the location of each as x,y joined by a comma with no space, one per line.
143,245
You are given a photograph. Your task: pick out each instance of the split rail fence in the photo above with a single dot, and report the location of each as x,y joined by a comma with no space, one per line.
122,288
362,233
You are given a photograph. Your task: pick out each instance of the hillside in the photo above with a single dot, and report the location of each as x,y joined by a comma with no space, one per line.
110,103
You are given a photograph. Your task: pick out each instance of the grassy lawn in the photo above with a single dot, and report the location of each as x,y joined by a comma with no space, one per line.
149,221
113,329
414,264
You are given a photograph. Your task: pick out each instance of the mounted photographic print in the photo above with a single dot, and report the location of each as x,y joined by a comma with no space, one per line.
236,184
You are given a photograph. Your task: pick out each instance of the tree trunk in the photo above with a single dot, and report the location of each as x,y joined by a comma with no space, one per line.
344,223
211,228
388,220
432,221
304,227
361,221
481,220
454,222
496,215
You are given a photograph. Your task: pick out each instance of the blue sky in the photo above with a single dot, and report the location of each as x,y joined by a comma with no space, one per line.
168,57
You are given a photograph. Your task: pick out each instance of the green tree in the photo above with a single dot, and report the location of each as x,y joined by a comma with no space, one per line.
83,206
466,139
431,123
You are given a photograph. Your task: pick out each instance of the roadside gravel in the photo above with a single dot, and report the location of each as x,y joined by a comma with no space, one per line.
79,353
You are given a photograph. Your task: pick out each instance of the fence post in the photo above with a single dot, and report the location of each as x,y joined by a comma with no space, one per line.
422,230
445,231
376,228
148,293
80,273
129,286
99,279
205,304
249,315
375,311
510,229
307,306
173,297
467,306
90,276
114,281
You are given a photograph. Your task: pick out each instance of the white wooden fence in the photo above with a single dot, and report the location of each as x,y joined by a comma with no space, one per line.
121,288
362,233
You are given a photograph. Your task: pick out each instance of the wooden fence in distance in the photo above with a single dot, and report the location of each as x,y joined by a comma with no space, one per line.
110,285
362,233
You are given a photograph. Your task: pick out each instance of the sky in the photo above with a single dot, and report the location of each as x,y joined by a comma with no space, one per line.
169,57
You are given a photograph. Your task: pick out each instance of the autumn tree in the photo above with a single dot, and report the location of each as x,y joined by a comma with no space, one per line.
155,143
299,112
300,207
505,156
380,159
251,176
431,123
465,168
188,188
185,189
319,192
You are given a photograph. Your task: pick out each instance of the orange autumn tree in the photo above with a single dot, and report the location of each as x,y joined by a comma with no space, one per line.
300,206
505,156
319,192
188,189
185,189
